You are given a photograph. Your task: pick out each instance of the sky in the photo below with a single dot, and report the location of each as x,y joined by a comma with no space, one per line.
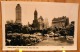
47,10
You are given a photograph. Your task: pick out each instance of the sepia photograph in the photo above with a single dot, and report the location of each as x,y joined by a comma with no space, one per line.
39,25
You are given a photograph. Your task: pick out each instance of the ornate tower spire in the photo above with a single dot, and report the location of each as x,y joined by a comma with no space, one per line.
35,14
35,21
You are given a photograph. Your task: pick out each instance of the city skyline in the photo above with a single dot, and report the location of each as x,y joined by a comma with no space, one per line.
28,12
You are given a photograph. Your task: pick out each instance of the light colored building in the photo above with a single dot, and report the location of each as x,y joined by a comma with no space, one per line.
60,22
41,23
46,23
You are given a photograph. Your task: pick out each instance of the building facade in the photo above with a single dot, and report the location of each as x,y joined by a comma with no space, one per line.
60,22
41,23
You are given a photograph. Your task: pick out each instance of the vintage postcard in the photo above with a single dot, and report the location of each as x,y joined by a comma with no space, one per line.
39,26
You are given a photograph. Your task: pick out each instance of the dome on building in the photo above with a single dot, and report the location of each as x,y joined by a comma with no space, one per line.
41,18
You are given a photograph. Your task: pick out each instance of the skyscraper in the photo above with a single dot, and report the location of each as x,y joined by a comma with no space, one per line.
35,15
18,13
35,21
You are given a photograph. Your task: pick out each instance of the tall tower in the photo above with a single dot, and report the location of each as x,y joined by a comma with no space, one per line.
35,21
18,13
35,15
